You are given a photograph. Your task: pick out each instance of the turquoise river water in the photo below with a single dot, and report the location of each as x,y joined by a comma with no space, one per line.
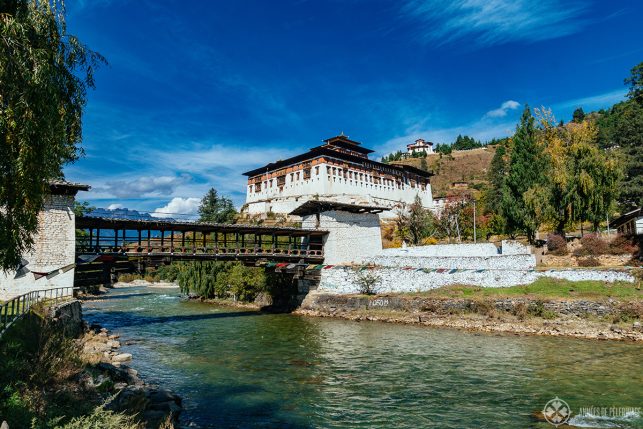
242,369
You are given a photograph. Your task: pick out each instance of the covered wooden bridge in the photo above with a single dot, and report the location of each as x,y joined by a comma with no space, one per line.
170,240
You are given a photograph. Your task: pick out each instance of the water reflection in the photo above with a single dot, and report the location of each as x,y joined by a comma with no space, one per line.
245,369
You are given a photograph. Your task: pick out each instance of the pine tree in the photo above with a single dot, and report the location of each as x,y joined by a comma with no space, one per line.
578,116
216,209
523,192
496,177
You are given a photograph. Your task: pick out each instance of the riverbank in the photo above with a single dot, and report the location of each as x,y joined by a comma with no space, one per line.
56,371
493,310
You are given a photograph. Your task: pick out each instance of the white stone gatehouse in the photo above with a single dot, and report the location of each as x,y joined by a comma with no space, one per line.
50,263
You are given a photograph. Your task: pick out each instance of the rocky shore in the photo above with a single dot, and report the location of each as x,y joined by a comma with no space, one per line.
109,372
523,316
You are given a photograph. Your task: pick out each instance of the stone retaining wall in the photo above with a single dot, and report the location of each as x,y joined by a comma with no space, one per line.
332,303
345,280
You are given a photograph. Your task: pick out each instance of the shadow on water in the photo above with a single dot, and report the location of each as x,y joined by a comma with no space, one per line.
226,410
128,318
108,297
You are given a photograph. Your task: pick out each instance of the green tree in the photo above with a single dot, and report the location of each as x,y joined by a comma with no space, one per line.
465,143
414,223
621,132
44,76
496,177
635,82
578,116
216,209
526,177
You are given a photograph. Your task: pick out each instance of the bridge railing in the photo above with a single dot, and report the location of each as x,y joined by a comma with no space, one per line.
14,309
180,244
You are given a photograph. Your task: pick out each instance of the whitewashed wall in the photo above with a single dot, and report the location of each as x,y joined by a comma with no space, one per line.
54,248
352,237
396,280
332,187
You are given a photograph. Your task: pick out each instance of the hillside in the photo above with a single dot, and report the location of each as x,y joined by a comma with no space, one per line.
458,171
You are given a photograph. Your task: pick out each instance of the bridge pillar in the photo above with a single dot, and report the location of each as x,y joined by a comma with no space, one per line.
50,261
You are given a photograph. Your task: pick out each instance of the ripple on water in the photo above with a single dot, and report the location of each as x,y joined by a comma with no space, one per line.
237,368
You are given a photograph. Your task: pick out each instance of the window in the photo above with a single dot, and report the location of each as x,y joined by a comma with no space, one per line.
257,187
316,171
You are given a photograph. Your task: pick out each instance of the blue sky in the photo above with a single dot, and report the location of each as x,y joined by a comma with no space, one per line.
197,92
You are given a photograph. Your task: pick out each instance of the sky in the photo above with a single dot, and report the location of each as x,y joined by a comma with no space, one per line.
197,92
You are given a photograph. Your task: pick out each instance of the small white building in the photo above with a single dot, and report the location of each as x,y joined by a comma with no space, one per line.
420,146
340,171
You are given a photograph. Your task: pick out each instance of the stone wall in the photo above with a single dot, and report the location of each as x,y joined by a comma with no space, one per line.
54,248
352,237
456,250
345,280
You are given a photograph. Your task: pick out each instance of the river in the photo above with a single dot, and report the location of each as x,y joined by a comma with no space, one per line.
241,369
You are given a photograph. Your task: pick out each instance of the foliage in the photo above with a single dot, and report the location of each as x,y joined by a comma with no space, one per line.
557,245
103,419
524,186
591,245
621,132
578,116
45,73
465,143
621,245
590,261
583,180
443,148
216,209
496,176
456,219
37,363
395,156
215,279
635,82
366,281
414,222
82,208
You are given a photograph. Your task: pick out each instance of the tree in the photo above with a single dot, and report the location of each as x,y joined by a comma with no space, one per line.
496,177
424,165
414,222
578,116
621,132
465,143
44,76
216,209
635,82
526,177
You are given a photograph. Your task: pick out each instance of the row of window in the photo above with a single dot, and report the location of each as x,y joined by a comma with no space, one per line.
330,172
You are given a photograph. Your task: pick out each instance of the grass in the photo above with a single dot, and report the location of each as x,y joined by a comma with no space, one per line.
543,288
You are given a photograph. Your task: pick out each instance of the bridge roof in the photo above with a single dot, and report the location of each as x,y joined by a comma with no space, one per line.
317,206
161,225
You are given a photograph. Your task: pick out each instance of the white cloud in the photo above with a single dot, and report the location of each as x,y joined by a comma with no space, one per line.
595,101
145,186
115,207
179,208
503,109
492,22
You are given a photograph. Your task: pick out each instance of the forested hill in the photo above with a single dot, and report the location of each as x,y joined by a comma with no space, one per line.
458,171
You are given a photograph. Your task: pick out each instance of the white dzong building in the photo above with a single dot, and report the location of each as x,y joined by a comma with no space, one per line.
338,170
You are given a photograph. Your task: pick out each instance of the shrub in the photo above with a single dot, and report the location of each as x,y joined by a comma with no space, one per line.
103,419
590,261
557,245
367,281
521,310
591,245
538,309
621,245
